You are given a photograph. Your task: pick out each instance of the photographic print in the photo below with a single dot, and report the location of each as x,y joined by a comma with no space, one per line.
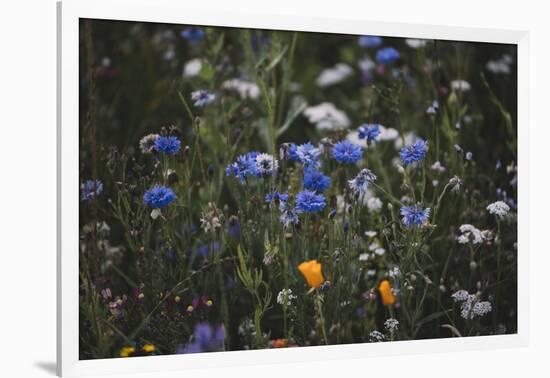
250,189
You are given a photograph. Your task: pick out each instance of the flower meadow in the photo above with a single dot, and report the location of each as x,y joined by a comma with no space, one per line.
250,189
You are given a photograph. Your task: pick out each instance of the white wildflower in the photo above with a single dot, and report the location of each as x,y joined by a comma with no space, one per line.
192,68
376,336
326,116
470,305
469,233
334,75
438,167
460,85
370,234
498,208
212,218
460,296
246,89
366,64
374,204
391,324
394,272
415,43
285,297
387,133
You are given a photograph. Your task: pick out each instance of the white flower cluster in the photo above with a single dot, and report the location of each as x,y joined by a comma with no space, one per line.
500,66
192,68
374,204
394,272
285,297
246,89
498,208
469,233
376,248
391,324
376,336
460,85
470,305
326,116
415,43
334,75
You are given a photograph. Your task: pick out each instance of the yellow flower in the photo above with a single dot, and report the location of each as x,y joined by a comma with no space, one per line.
148,348
127,351
312,273
385,292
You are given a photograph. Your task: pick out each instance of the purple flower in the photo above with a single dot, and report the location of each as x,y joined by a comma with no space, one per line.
192,34
168,144
310,202
414,153
316,180
346,152
370,132
159,196
414,215
369,41
90,189
205,339
307,154
202,98
276,197
244,167
387,55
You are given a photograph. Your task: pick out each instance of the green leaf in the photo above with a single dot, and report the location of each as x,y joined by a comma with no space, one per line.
277,59
297,107
187,108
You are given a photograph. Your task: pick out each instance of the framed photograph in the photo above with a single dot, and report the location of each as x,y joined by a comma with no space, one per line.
252,188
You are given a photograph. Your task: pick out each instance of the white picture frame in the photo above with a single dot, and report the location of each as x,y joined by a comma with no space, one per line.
167,11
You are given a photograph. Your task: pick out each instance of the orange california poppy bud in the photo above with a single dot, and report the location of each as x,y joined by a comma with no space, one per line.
312,273
385,292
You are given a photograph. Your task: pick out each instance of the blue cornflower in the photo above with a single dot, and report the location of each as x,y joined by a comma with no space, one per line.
90,189
205,339
293,152
168,144
289,215
370,132
266,164
346,152
360,184
159,196
276,197
414,215
287,151
307,154
387,55
368,41
414,153
244,167
202,98
193,34
309,202
315,180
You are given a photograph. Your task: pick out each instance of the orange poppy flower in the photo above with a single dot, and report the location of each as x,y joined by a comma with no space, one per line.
312,273
385,292
279,343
